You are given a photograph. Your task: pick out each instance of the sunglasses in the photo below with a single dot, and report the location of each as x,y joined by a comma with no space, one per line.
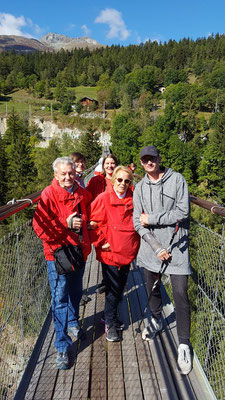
145,160
126,181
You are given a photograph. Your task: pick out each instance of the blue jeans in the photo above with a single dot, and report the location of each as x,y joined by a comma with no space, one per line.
66,293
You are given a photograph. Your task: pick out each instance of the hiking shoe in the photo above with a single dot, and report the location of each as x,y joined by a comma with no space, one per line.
151,330
118,324
101,288
184,364
62,360
112,334
84,300
74,331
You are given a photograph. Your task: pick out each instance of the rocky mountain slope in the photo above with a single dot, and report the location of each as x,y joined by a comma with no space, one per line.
57,42
21,44
49,42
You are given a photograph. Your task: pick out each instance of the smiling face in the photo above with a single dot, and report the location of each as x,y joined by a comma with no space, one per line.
65,175
121,182
151,165
109,166
79,166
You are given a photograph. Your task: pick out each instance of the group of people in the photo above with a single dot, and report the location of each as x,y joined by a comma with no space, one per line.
149,223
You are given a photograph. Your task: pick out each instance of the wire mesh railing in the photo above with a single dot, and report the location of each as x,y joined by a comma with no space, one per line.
207,298
210,303
24,303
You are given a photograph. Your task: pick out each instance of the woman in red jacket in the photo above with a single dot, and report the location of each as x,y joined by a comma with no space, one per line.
99,184
113,213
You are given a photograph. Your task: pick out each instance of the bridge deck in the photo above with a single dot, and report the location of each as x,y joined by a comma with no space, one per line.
130,369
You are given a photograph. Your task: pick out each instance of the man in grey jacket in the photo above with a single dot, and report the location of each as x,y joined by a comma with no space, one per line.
161,199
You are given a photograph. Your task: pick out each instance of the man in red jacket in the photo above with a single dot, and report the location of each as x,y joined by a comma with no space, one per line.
56,218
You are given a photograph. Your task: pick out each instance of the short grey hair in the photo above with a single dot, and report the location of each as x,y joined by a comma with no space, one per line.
62,160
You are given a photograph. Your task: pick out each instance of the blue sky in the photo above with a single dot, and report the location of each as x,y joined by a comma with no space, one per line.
114,22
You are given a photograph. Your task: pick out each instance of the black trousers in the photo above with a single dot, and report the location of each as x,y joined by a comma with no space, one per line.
115,280
182,305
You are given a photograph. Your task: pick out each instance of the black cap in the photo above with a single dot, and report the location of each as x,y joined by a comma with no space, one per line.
149,151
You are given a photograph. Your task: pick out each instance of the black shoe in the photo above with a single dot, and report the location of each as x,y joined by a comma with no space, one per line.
100,288
112,334
119,325
62,360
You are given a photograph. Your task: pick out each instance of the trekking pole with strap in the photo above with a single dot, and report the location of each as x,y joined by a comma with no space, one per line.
163,267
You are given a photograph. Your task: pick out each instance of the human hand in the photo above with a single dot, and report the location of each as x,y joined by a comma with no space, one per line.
164,255
106,247
91,225
144,220
74,221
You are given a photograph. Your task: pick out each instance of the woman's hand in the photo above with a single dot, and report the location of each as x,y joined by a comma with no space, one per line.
164,255
144,220
91,225
106,247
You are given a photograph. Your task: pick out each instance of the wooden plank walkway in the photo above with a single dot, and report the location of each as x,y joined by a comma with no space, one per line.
130,369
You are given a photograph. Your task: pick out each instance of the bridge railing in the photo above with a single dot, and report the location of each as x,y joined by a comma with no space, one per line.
25,296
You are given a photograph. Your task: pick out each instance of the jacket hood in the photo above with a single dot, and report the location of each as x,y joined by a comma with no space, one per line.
167,173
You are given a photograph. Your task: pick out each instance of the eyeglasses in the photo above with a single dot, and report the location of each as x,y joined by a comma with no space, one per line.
126,181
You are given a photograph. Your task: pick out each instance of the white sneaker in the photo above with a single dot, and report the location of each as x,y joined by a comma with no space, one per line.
151,330
184,364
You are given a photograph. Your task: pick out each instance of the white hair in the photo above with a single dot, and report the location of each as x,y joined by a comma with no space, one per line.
62,160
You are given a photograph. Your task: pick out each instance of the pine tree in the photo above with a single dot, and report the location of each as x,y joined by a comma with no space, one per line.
3,169
20,172
43,162
90,146
212,166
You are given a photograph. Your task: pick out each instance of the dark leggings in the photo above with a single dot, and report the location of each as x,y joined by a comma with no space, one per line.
115,281
182,306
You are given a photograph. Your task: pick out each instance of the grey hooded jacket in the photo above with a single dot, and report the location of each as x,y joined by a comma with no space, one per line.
166,202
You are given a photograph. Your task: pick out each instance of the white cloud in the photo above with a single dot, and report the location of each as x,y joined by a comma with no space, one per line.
117,27
11,25
86,30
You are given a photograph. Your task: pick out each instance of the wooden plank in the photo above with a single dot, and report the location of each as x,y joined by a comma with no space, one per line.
98,375
115,372
48,376
132,380
148,376
39,366
154,347
81,383
65,378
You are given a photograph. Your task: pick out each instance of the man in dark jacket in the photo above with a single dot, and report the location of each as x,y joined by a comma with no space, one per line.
56,218
161,199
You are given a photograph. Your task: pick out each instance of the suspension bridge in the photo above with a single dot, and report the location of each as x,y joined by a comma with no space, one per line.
129,369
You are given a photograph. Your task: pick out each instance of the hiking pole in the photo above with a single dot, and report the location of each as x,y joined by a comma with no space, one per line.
163,267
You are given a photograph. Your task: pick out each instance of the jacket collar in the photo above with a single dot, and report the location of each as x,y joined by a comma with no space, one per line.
115,201
63,194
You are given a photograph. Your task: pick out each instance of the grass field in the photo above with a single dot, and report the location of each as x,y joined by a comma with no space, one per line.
21,101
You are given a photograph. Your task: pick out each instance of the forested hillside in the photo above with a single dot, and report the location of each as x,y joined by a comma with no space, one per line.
170,94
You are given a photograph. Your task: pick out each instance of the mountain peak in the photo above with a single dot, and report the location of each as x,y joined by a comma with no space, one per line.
58,41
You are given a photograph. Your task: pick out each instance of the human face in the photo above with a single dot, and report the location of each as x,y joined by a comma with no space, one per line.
79,166
121,187
109,166
151,164
65,175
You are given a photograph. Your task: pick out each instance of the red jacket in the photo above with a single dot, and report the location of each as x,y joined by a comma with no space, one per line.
115,224
49,222
97,185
